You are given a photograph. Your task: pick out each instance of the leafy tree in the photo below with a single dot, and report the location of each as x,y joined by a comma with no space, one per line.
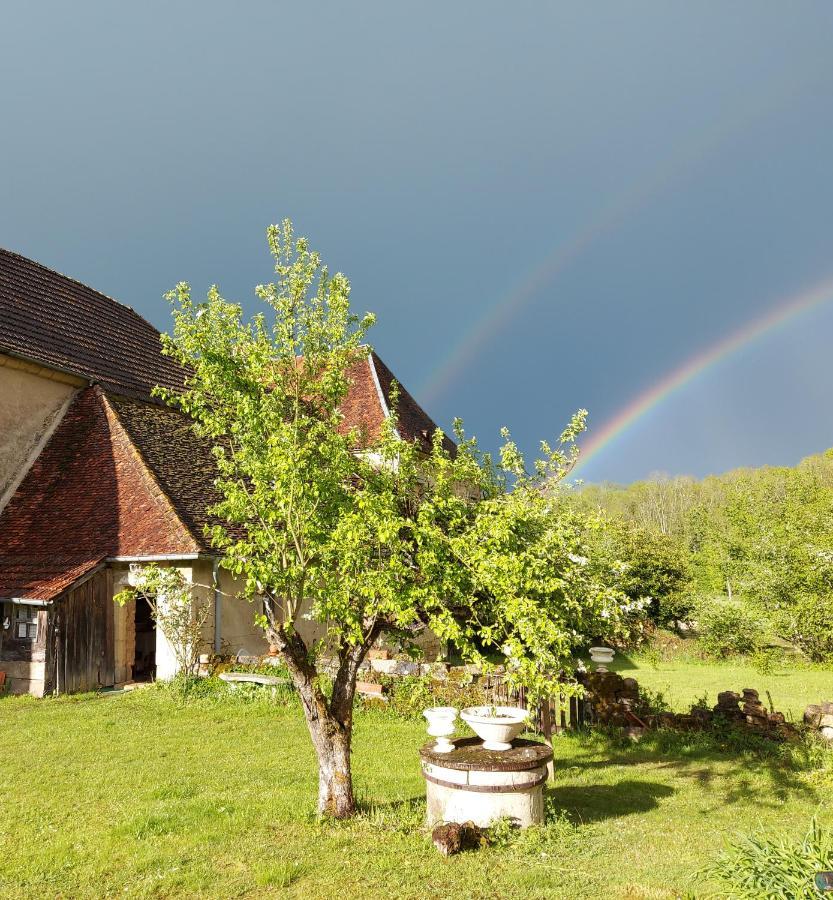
727,627
763,537
175,610
656,568
370,534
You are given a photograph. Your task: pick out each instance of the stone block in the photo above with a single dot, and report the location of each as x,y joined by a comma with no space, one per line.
812,715
384,666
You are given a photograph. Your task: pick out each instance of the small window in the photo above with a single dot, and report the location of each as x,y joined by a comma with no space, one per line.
26,623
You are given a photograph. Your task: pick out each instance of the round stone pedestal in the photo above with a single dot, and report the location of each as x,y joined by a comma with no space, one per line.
471,784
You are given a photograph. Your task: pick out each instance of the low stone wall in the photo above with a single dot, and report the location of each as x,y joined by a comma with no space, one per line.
819,717
24,677
610,699
613,700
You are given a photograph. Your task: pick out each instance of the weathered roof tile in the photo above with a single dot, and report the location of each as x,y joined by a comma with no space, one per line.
53,320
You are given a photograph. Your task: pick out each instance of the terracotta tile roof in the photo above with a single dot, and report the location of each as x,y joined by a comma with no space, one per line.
414,422
180,461
87,496
53,320
39,577
121,476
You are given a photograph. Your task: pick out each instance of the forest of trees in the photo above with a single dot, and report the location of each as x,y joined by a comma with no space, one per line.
747,554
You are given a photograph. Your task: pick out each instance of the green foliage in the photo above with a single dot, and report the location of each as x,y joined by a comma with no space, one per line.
655,569
762,536
368,533
409,696
761,867
727,628
765,660
176,609
808,623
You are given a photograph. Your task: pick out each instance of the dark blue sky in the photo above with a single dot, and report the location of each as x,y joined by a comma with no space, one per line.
617,185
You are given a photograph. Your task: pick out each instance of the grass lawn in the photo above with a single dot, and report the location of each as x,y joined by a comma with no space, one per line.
141,796
684,679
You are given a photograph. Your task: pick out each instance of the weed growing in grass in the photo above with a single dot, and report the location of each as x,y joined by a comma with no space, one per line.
652,655
401,817
558,834
279,874
761,867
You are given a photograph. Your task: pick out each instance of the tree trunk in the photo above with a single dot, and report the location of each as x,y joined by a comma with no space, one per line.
330,722
335,778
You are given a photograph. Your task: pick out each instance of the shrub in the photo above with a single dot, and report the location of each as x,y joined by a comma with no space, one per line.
761,867
408,696
727,628
655,568
765,660
809,625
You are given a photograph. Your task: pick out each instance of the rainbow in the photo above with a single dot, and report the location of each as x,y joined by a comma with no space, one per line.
782,314
685,158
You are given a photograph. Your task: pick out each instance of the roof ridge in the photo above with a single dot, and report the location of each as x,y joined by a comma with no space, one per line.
57,321
404,391
51,271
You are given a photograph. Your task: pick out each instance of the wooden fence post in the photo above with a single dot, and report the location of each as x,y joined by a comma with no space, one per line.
546,728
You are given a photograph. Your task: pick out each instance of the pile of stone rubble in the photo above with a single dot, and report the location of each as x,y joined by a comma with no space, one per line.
819,717
611,699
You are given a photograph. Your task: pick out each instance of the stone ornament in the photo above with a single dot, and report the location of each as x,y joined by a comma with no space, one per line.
497,726
441,726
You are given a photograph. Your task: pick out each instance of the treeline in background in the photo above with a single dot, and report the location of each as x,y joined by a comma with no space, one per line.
742,560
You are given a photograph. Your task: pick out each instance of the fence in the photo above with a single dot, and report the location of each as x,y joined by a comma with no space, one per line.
559,713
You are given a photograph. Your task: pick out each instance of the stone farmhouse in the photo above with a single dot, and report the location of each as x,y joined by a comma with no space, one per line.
95,474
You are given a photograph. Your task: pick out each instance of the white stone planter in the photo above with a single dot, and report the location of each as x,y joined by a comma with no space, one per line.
602,656
441,726
497,726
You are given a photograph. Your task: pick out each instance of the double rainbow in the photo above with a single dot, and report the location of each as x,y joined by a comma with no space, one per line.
781,315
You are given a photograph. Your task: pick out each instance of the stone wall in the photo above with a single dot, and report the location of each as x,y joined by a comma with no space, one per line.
819,717
24,677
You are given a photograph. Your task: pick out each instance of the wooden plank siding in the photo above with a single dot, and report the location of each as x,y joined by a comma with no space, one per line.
82,652
14,649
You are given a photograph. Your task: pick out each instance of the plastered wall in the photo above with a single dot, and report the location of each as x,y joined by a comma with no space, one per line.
29,405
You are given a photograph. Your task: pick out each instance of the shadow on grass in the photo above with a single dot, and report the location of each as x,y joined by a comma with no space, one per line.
596,802
732,768
622,663
402,816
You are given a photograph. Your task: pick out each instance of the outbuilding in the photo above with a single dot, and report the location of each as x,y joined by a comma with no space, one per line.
96,474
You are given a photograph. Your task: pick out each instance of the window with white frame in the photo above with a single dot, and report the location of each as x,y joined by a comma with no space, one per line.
25,625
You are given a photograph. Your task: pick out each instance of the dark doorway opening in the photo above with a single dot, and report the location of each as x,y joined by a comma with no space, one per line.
144,660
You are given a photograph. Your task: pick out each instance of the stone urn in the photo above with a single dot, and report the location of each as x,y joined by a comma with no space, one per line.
602,656
497,726
441,726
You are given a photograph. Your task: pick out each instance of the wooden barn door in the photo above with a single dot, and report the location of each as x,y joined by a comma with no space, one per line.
85,650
